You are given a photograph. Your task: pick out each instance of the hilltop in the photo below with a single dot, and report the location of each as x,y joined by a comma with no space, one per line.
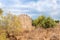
20,28
35,33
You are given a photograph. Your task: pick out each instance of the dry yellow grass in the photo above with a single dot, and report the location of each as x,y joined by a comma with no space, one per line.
40,34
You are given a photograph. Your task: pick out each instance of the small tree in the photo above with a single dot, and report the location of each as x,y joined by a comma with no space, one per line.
1,11
57,21
38,20
48,22
45,22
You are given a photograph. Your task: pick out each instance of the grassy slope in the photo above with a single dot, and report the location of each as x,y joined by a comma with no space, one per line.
40,34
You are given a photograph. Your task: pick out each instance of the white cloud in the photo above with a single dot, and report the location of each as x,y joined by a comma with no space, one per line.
0,3
41,6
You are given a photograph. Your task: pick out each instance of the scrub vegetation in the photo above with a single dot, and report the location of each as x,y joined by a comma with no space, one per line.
11,29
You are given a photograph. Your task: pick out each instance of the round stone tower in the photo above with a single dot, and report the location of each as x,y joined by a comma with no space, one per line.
26,21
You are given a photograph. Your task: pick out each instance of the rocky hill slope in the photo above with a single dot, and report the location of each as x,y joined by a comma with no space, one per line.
39,34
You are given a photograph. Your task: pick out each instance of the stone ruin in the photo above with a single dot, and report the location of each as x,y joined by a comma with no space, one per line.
26,21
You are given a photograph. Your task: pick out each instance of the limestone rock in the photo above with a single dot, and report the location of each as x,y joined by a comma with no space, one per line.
26,21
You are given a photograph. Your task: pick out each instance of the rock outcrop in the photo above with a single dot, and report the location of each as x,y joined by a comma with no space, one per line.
26,21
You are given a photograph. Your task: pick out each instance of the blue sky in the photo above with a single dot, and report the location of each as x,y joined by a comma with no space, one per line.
33,8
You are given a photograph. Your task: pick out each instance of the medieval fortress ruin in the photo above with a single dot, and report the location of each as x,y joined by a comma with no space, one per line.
26,21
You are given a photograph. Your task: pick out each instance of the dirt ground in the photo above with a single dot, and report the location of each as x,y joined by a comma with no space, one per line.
39,34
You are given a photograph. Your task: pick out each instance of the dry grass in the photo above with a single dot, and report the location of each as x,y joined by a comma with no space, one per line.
40,34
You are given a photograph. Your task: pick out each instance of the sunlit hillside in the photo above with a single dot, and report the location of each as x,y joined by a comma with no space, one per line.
23,27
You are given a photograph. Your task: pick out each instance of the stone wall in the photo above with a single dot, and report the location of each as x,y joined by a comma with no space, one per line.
26,21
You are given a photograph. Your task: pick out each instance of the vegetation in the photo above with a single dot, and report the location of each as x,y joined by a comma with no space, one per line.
2,35
57,21
1,11
10,23
45,22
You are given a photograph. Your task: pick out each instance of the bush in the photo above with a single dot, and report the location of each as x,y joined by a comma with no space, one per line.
2,35
38,20
48,22
45,22
57,21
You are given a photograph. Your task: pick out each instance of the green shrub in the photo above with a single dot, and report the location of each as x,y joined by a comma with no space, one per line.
45,22
38,20
48,22
57,21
